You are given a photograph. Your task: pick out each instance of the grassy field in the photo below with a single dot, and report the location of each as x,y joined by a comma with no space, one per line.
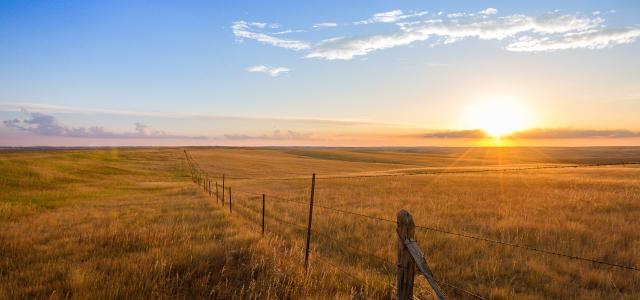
129,223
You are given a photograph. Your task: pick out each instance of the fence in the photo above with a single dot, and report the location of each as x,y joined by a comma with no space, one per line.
409,255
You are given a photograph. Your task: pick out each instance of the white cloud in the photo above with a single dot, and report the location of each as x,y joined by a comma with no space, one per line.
450,31
387,17
456,15
287,31
243,30
594,39
325,24
390,17
345,49
272,71
547,32
488,11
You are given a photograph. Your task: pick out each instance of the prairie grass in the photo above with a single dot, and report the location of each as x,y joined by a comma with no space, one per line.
587,212
129,223
105,224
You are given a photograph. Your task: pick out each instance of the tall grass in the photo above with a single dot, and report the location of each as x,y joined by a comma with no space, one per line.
129,223
589,212
97,224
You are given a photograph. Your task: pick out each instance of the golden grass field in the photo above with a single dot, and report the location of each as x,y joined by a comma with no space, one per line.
130,223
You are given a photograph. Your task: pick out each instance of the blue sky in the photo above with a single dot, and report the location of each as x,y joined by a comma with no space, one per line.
223,71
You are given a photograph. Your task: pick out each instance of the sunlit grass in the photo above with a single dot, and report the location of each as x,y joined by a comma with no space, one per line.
588,212
129,223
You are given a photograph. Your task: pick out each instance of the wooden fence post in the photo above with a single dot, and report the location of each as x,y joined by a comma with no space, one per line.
230,211
262,214
406,266
217,197
209,187
306,254
222,189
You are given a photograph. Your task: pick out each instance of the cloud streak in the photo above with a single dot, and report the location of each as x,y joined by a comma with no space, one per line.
538,133
277,135
47,125
551,31
325,24
457,134
272,71
51,108
596,39
573,133
453,30
246,30
390,17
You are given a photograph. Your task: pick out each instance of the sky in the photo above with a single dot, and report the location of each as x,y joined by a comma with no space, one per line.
322,73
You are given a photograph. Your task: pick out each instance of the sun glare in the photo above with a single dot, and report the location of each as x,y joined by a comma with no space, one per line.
498,117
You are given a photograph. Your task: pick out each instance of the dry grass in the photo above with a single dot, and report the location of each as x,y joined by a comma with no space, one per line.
589,212
98,224
128,223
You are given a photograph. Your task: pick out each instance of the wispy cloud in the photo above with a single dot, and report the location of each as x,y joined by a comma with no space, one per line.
594,39
272,71
488,11
51,108
449,31
550,31
246,30
390,17
325,24
276,135
47,125
537,133
457,134
573,133
288,31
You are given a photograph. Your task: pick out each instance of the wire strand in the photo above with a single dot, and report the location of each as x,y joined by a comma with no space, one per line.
530,248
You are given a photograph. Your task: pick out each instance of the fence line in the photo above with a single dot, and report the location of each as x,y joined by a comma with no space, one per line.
360,251
205,181
469,236
530,248
421,173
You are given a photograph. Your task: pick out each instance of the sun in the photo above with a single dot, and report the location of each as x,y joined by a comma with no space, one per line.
498,117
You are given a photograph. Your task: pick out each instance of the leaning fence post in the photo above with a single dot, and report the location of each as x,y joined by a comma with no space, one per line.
262,214
230,211
406,266
306,254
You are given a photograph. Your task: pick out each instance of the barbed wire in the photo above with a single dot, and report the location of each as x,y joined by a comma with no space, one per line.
194,166
469,236
421,173
526,247
460,289
359,251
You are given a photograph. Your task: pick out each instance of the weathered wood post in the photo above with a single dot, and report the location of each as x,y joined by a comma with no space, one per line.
209,187
262,214
217,196
222,189
230,211
306,253
406,266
